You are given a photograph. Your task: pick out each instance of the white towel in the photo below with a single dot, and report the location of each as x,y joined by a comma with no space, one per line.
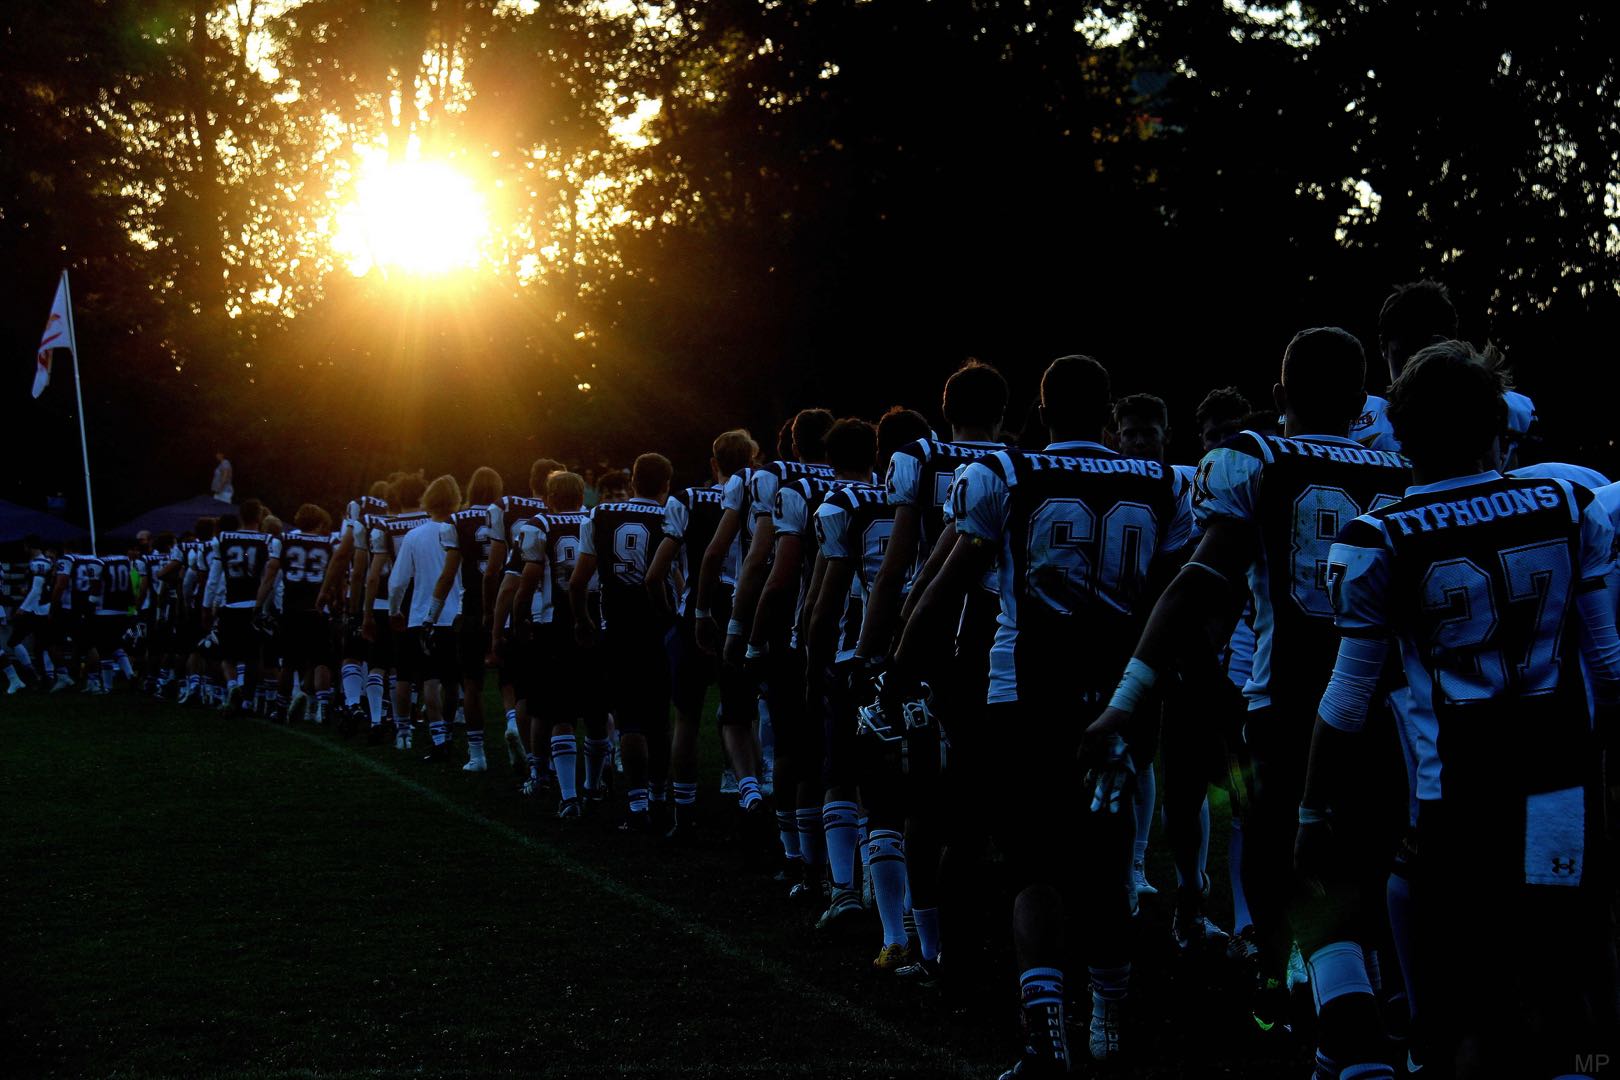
1555,837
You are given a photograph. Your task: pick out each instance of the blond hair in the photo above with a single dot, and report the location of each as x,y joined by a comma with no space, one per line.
565,491
442,496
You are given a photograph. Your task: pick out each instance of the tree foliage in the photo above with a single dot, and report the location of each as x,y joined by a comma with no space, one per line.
713,211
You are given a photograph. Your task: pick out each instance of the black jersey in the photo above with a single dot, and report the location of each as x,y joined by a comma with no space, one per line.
563,531
795,515
83,573
117,585
766,480
1078,528
1297,493
510,511
475,531
243,555
1476,578
920,475
304,559
854,523
691,517
623,536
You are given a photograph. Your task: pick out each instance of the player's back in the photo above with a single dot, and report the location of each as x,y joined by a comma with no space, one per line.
1477,578
623,536
855,522
694,515
510,511
304,559
1080,527
562,548
764,481
243,554
1297,493
475,532
920,475
117,585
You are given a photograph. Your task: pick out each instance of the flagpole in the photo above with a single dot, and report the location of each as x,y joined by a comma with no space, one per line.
78,394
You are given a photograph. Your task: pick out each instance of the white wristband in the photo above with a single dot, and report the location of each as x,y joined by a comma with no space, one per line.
753,652
1133,686
1311,816
435,607
734,628
704,613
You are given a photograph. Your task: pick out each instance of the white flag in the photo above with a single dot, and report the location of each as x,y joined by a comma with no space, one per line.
58,335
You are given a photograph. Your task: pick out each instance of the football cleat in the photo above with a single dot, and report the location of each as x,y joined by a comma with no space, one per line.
184,696
728,782
514,745
298,708
233,699
569,810
437,752
844,909
595,794
1028,1068
1103,1032
64,681
891,958
637,821
921,972
1139,880
1191,928
475,763
1244,947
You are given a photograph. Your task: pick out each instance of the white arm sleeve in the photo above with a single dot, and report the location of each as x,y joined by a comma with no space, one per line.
1354,682
1600,642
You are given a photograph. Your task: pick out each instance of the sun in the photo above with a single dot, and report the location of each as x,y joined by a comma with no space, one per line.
418,217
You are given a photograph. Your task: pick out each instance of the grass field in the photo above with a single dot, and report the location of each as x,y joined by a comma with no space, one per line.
187,895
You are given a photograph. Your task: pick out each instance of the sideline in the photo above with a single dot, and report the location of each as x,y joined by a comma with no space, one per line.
840,1007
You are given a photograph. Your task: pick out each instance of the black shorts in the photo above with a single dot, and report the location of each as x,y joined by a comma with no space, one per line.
418,657
840,750
635,674
471,645
305,639
691,670
380,650
237,641
107,632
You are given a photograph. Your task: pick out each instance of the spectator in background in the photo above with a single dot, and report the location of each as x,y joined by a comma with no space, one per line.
224,486
591,498
614,486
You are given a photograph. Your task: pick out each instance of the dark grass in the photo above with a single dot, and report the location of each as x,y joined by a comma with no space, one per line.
188,895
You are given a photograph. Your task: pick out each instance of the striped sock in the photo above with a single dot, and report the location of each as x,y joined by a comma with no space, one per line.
812,842
1040,992
565,757
374,696
887,861
354,684
50,665
533,762
638,800
597,752
121,658
838,820
685,793
323,701
1109,984
748,792
475,736
440,730
788,829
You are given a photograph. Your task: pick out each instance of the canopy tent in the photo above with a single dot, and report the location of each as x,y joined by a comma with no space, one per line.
17,522
176,517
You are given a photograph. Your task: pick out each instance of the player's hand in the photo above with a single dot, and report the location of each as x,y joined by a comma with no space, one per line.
396,623
1111,775
368,627
323,602
1313,846
734,650
584,633
430,634
1110,723
708,635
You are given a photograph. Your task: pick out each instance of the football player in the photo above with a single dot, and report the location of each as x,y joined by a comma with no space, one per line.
1075,532
465,569
692,519
298,568
384,535
238,558
621,537
1493,589
505,515
1270,507
426,653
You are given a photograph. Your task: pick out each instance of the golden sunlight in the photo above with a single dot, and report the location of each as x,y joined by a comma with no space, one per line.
418,217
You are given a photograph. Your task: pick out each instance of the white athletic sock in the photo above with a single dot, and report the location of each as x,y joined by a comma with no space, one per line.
887,861
927,920
838,820
748,792
597,752
565,756
354,684
374,696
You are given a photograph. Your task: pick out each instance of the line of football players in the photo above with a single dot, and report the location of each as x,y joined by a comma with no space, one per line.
1396,659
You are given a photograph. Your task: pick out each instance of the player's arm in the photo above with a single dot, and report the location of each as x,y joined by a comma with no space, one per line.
336,567
927,633
929,570
267,584
369,604
708,582
400,579
527,582
494,570
579,587
774,609
658,572
831,585
450,540
751,580
883,604
504,599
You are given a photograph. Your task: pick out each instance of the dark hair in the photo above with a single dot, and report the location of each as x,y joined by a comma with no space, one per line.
852,445
613,480
784,440
899,427
1142,406
538,472
1222,405
565,491
1418,313
975,396
649,476
734,450
204,528
163,541
309,518
810,429
251,512
1324,370
1447,407
1075,395
406,491
228,523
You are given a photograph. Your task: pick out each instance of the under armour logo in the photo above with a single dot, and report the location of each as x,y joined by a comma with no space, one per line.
1563,866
